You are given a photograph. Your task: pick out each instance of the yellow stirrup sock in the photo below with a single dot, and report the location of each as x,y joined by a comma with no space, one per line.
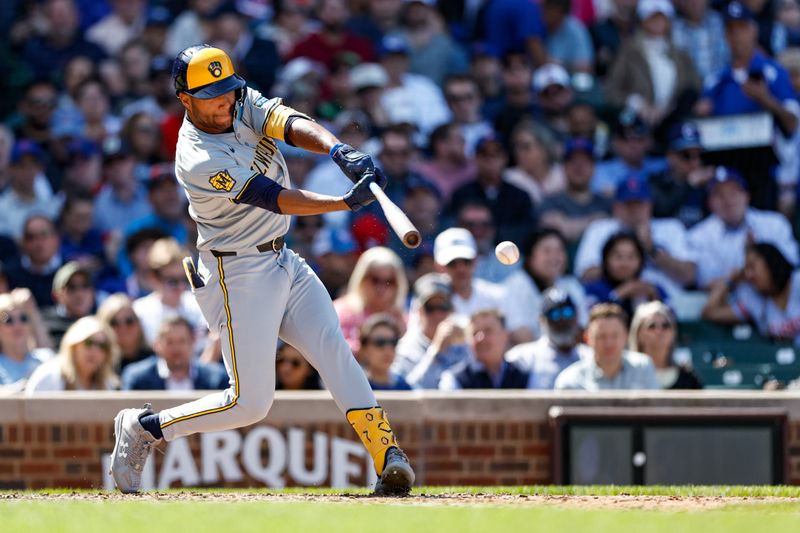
373,429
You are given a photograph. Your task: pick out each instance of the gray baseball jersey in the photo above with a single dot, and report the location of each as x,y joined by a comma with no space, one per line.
214,169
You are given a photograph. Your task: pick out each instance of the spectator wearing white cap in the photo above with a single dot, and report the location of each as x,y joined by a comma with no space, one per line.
719,241
567,41
554,95
650,74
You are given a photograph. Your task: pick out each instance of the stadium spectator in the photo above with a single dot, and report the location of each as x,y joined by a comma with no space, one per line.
621,281
423,205
48,53
719,241
454,252
696,30
74,297
409,98
135,63
85,361
39,260
515,26
464,99
537,170
378,20
378,284
333,38
397,153
293,372
670,262
448,167
124,23
35,113
609,34
122,198
612,367
487,367
335,252
571,211
168,204
766,291
378,341
654,331
568,43
477,218
189,26
20,353
518,100
116,311
27,193
83,167
94,105
679,191
630,143
137,247
80,240
142,137
172,367
437,342
154,34
289,25
650,75
559,345
512,211
171,295
554,96
544,265
433,53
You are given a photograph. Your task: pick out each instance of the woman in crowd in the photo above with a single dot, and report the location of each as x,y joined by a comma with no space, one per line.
378,285
143,137
766,292
85,361
653,332
19,355
379,336
292,371
537,169
621,282
544,266
117,313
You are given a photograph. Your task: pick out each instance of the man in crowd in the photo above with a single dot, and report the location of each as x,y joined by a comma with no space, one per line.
36,267
557,348
696,30
173,367
477,218
465,102
612,367
487,367
74,296
449,167
719,241
436,343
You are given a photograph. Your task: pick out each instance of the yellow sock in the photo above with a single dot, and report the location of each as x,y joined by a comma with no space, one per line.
372,427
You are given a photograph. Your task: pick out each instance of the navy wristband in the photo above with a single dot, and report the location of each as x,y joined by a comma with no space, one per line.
335,147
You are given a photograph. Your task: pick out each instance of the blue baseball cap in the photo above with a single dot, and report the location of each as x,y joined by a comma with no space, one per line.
578,144
492,139
738,11
393,44
726,175
82,147
684,136
634,188
25,147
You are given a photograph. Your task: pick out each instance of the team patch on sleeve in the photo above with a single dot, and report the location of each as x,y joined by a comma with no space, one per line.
222,181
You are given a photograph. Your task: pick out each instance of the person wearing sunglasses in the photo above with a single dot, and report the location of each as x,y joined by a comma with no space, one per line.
293,371
74,294
379,336
171,295
436,342
18,358
173,368
679,190
117,312
558,347
85,361
653,332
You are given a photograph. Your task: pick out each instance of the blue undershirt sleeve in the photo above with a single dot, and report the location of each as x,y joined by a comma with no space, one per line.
262,192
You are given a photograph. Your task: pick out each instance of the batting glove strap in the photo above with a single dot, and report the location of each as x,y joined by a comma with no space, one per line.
360,195
353,163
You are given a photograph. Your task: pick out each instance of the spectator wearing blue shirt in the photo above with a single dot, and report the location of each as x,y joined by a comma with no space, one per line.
379,336
568,42
515,26
123,198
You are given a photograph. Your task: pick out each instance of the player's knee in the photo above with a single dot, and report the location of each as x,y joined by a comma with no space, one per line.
254,410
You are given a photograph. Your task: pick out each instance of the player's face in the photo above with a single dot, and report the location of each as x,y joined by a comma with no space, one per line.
214,115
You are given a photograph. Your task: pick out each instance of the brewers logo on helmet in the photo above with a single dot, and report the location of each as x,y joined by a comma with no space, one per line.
203,71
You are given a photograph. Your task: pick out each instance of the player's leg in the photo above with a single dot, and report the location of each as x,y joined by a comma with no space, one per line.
311,325
244,297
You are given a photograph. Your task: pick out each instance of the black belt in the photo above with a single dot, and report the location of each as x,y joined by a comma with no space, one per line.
274,245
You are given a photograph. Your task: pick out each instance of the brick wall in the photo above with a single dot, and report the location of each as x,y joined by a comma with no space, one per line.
459,439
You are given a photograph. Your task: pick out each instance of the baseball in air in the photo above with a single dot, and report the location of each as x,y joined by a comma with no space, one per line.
507,252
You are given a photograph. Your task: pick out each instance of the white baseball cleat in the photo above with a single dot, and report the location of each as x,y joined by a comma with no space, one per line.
131,448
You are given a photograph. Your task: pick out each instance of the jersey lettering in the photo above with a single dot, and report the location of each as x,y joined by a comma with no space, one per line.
263,155
222,181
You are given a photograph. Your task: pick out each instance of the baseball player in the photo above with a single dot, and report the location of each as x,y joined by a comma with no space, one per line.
248,284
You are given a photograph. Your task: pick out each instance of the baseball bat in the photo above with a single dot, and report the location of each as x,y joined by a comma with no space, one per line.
396,218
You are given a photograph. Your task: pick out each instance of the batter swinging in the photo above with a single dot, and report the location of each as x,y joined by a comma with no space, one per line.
248,285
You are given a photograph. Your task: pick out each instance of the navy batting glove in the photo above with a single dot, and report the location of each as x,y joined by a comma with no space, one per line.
353,163
360,195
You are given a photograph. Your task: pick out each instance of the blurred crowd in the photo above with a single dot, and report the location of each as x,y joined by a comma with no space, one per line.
644,156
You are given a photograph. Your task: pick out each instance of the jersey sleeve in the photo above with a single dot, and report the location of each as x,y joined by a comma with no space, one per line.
267,116
213,173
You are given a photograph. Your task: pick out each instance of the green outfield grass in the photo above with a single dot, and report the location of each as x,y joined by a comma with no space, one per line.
63,514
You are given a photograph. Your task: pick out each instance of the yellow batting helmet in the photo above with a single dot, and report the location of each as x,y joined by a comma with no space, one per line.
203,71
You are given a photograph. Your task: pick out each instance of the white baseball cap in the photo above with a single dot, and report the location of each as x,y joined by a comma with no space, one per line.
452,244
368,75
648,8
550,74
